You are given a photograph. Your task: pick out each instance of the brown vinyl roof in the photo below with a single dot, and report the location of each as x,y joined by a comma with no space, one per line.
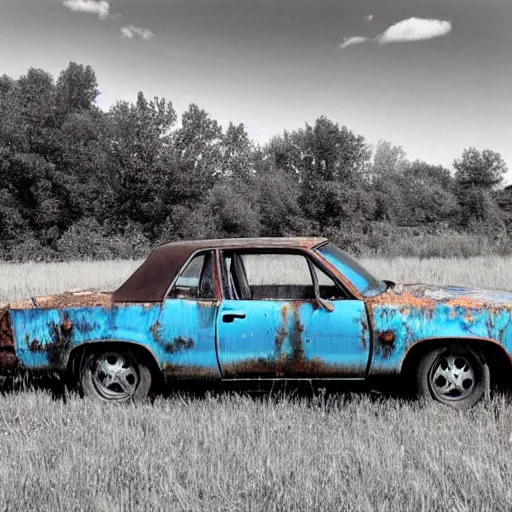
152,279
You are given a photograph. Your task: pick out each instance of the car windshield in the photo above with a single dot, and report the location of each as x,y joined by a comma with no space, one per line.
366,284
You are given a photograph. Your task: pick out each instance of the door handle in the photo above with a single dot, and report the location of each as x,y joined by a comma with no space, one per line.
229,316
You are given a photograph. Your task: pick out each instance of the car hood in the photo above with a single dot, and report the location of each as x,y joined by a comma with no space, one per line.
419,294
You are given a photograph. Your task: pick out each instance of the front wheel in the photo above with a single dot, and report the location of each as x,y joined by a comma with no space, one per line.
453,375
114,376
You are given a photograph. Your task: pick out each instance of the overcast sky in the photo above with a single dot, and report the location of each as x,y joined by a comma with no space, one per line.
434,76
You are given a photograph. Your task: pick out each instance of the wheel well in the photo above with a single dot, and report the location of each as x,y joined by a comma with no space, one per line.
497,358
141,352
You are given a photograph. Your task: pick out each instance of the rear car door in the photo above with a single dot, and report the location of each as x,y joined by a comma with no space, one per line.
271,323
185,328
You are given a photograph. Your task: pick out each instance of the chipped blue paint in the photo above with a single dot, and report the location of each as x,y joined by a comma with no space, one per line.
178,333
481,315
292,339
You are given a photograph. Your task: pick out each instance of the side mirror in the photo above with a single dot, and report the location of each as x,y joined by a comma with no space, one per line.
326,305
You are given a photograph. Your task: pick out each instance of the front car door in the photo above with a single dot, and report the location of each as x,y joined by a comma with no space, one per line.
271,323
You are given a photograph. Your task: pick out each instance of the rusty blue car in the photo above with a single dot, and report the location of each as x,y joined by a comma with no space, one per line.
262,309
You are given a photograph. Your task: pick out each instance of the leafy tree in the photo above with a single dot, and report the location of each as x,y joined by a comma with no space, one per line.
277,195
193,166
139,138
236,153
477,175
483,169
388,160
331,164
76,89
427,192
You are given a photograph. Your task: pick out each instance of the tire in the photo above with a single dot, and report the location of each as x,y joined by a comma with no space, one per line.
115,375
453,375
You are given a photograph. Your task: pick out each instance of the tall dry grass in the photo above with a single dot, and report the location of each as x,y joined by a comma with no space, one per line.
18,281
234,452
480,272
260,454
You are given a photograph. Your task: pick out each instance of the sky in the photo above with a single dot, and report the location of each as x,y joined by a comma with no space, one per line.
434,76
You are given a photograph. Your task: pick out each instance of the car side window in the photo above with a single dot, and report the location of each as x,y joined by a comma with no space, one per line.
196,281
278,276
275,276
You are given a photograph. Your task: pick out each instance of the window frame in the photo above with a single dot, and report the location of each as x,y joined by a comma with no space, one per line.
215,274
312,262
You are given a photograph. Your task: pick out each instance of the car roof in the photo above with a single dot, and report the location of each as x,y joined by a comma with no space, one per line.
150,282
242,243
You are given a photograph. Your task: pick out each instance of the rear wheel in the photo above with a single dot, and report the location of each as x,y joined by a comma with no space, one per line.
453,375
114,376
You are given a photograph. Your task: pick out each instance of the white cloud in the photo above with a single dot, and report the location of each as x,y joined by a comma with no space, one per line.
369,17
100,8
129,31
414,29
351,41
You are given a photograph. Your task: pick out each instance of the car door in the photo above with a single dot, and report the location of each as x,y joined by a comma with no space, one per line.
272,325
185,329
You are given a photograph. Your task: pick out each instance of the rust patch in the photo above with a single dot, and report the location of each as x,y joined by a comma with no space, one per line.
384,351
36,346
283,366
156,331
207,303
416,296
56,348
282,331
385,344
182,372
6,338
406,298
66,300
8,359
364,331
473,303
294,364
179,344
67,325
296,338
387,337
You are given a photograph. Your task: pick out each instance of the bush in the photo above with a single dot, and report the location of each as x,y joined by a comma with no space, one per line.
87,239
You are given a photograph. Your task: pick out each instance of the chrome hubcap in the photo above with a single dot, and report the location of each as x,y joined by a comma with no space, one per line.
452,377
114,376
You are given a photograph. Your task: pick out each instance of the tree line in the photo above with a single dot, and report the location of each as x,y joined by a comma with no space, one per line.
77,181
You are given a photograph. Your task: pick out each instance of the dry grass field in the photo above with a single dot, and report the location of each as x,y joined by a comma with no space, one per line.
235,452
18,281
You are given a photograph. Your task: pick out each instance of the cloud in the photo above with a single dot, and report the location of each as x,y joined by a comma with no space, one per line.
368,18
351,41
100,8
129,31
412,29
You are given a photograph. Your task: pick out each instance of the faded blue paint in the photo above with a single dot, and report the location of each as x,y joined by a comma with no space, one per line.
457,313
178,334
293,339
